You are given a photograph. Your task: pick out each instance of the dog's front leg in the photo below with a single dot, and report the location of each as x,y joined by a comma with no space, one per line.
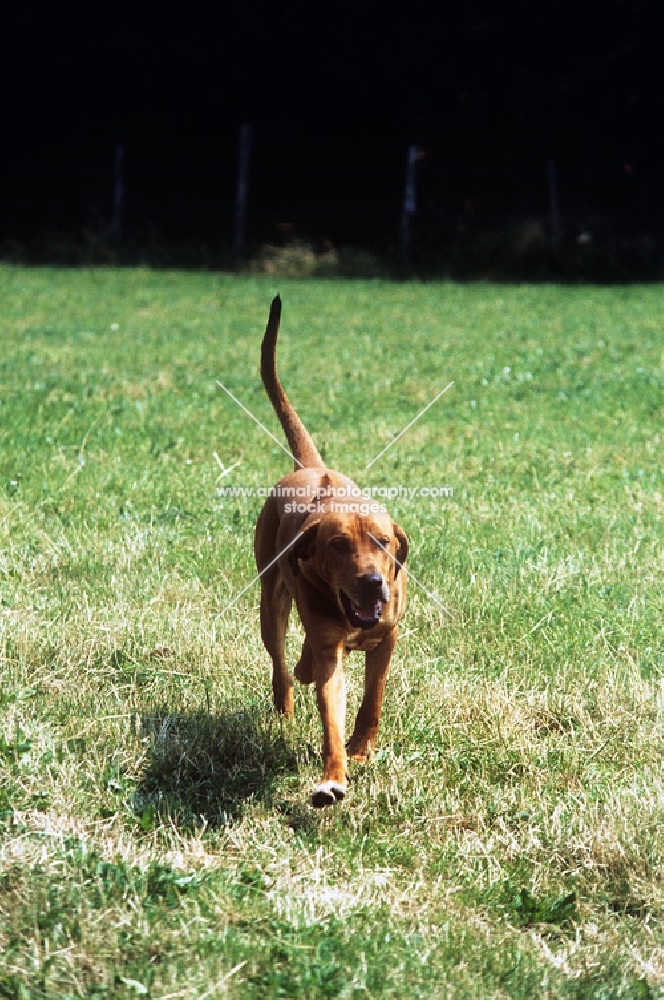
304,668
331,696
363,740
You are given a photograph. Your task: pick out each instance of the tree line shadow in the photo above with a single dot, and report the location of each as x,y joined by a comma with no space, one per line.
516,250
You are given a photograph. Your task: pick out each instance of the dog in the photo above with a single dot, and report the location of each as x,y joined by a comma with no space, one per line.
341,561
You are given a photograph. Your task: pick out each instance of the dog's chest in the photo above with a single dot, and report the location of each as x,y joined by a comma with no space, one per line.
355,641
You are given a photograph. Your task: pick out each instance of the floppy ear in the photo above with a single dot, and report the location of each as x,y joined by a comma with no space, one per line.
303,547
402,551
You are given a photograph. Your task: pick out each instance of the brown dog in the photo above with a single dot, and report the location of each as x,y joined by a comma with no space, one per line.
339,558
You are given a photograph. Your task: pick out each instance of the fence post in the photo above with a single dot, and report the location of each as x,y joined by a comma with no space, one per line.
409,201
118,193
554,213
242,189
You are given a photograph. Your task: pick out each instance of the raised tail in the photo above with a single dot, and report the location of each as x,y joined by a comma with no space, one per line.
301,445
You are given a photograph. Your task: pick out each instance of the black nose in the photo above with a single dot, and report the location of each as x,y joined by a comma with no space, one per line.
371,584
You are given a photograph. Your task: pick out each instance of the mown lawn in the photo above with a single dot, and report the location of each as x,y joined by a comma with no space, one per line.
156,837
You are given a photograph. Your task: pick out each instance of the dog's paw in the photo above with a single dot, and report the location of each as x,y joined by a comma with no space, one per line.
360,750
327,794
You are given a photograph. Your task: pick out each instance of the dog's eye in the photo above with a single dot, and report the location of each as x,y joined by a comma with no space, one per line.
385,542
340,544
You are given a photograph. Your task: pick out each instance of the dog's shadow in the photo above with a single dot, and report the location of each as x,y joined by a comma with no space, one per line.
204,768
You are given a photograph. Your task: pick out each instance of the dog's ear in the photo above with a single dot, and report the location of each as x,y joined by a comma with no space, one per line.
303,547
402,551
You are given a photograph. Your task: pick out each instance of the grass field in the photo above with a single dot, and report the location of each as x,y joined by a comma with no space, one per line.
156,837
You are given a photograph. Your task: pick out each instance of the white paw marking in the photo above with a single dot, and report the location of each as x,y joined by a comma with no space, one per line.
327,793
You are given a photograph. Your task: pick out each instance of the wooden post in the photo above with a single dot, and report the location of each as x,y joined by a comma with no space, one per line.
554,213
409,201
118,193
242,189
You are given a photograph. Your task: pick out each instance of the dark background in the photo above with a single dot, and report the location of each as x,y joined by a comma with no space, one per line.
336,93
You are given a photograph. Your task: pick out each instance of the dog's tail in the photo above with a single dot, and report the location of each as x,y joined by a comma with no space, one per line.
301,444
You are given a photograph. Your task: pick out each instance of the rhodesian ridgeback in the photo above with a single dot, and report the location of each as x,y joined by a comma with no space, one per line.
339,557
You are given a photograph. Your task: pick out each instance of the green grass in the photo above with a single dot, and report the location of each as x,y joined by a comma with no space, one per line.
156,837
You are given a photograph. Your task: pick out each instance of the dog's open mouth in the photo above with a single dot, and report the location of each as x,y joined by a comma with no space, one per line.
361,615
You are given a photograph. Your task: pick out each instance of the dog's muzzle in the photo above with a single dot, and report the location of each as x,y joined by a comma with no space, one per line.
364,609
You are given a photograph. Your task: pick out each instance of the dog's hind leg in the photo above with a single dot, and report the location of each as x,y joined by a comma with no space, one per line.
275,608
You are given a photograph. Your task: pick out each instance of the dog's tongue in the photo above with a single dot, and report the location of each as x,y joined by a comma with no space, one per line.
369,610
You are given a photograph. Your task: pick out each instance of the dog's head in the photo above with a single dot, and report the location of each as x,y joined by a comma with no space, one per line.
359,557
